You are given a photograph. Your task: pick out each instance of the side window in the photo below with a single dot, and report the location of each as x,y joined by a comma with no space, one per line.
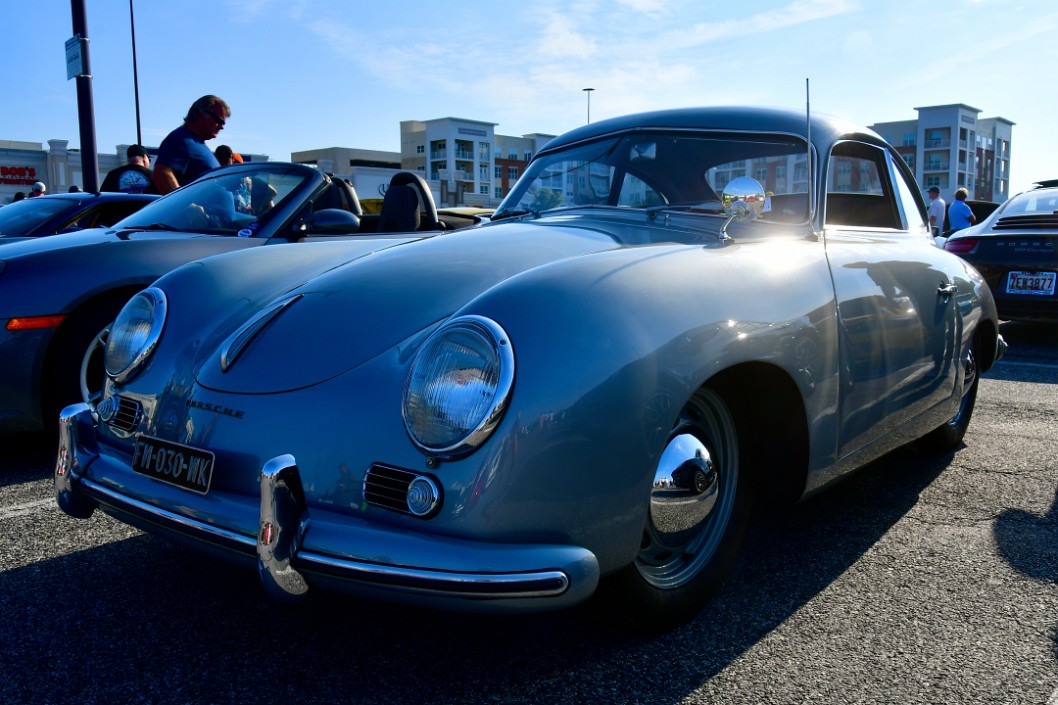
913,209
858,195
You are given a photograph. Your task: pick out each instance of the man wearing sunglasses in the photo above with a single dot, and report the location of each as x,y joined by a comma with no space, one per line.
183,155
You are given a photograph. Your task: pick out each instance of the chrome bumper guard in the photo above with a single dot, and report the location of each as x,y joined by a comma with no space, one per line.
76,449
282,562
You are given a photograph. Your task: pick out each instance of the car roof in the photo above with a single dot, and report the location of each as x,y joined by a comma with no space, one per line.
824,128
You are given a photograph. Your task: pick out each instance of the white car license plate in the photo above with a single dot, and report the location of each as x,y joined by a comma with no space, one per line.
1038,283
180,465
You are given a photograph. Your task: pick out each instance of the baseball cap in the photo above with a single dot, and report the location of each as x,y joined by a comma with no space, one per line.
934,189
39,186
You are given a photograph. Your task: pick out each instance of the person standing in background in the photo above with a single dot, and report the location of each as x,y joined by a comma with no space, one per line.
183,155
959,214
936,210
224,155
39,189
134,176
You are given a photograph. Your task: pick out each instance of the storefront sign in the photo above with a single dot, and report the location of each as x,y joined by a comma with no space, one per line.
18,175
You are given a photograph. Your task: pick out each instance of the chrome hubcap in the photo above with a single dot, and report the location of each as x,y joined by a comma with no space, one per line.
692,494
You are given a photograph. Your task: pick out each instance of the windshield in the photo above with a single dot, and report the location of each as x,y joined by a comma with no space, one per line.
678,170
226,202
1042,201
18,219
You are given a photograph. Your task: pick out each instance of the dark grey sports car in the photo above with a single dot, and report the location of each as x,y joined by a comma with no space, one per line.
58,293
1016,250
67,212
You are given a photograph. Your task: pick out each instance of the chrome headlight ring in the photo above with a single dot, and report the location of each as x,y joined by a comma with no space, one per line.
458,387
134,334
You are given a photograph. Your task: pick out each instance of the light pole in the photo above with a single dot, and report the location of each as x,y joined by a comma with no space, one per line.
135,75
588,91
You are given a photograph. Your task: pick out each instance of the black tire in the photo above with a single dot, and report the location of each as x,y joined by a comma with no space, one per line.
92,369
690,538
61,384
948,436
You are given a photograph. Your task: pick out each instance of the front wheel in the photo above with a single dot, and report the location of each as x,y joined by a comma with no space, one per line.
693,529
73,368
92,370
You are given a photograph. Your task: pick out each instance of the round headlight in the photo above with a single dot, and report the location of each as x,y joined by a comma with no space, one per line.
458,386
134,334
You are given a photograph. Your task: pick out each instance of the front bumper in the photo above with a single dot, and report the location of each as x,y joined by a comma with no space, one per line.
22,359
297,548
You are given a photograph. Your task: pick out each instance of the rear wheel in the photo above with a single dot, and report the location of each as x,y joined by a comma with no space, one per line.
949,435
693,530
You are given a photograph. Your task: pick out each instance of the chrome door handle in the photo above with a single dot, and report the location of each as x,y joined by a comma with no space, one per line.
949,290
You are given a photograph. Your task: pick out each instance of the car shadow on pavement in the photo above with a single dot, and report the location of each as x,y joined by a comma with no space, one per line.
1029,543
25,455
140,619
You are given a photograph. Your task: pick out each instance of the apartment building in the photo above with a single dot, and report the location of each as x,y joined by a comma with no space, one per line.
951,146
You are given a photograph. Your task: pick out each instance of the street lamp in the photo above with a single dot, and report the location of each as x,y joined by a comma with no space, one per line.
588,91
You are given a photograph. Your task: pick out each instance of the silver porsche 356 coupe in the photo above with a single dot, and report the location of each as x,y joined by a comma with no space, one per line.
671,315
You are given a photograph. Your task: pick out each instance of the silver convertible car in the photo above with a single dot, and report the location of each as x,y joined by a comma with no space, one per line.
671,316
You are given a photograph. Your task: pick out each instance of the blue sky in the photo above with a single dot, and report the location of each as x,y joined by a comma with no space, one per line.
303,74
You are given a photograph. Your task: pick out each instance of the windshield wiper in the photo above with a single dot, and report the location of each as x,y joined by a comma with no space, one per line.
714,207
152,226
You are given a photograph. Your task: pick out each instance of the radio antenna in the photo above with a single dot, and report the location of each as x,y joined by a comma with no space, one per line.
808,135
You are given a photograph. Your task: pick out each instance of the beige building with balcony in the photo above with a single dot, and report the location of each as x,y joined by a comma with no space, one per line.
950,146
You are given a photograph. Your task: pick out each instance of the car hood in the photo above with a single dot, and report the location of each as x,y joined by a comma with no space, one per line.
24,247
350,314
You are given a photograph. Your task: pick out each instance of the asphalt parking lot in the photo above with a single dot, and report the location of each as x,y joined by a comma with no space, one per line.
922,579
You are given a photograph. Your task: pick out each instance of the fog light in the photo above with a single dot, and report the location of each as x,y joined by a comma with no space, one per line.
423,496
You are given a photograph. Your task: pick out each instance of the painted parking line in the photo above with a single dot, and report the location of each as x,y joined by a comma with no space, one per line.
20,510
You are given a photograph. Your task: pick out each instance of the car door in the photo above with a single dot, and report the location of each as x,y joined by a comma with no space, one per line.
897,325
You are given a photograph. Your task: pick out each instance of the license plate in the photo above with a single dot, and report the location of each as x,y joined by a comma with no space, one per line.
1038,283
180,465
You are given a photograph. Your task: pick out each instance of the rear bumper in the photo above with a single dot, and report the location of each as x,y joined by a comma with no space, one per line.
297,548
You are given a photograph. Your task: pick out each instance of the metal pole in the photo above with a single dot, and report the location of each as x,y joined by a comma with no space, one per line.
135,76
85,106
588,91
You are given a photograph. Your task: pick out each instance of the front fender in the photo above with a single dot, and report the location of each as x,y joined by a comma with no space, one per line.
610,346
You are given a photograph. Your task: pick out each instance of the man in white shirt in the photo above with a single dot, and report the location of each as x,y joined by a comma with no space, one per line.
936,211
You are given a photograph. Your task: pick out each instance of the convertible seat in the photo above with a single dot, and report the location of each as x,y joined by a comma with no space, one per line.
400,210
408,205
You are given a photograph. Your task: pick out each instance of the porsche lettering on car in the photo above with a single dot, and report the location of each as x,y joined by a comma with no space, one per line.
672,315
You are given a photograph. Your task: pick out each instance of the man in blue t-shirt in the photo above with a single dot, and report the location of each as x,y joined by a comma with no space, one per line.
183,155
959,214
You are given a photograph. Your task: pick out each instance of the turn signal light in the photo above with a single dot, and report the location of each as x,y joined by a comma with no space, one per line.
35,322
